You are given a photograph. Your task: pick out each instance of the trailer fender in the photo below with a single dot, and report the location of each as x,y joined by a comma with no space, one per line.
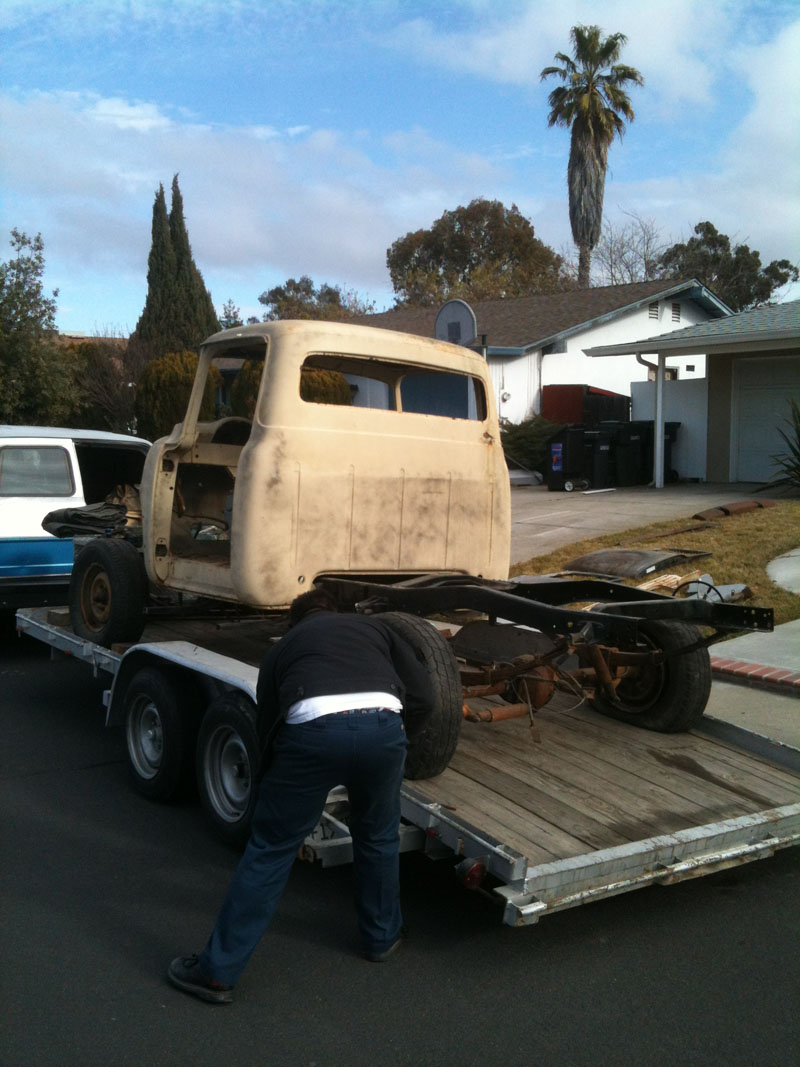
213,673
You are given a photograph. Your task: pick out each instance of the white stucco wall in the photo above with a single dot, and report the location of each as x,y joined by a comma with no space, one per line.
617,372
685,402
518,380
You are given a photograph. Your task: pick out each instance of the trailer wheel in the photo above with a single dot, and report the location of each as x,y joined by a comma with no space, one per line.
431,752
107,592
670,697
155,736
227,761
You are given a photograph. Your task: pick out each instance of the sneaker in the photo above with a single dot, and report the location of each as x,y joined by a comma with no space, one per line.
184,972
381,957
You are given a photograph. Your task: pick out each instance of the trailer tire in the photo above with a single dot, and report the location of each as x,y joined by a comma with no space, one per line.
228,755
432,750
671,697
156,741
107,592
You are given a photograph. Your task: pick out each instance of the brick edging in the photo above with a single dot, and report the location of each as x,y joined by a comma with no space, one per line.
778,679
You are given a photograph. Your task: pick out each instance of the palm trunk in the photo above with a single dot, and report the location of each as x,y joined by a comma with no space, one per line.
584,262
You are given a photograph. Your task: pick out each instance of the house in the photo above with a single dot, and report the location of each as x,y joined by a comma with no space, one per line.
539,340
731,419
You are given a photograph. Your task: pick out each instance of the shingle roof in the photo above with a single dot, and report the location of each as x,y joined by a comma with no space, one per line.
779,324
769,321
529,321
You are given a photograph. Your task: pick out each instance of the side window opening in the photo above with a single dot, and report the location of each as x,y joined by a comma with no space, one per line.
237,382
103,467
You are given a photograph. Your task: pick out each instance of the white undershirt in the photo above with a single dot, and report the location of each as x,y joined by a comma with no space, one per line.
314,707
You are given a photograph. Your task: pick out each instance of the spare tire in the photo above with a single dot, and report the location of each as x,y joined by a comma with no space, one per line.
432,750
107,592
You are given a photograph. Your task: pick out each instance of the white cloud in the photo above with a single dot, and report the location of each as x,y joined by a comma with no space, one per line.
681,48
260,205
142,117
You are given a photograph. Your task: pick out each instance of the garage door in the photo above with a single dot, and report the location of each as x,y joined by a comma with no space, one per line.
761,391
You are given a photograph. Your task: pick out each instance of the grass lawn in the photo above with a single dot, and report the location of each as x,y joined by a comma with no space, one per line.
741,546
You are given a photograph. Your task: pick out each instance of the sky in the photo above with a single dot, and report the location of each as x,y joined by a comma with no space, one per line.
308,135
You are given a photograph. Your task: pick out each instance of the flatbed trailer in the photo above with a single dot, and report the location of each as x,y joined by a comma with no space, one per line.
590,809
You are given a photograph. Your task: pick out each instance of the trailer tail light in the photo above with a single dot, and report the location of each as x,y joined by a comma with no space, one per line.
471,873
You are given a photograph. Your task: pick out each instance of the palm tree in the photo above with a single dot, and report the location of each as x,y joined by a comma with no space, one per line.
592,101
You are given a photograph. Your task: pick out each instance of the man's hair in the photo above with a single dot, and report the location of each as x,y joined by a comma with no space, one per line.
316,599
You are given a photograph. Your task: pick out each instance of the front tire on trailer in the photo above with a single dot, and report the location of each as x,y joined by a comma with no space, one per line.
431,752
107,592
228,757
156,738
670,696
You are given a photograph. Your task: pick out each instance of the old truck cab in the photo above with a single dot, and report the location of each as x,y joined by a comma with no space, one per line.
344,450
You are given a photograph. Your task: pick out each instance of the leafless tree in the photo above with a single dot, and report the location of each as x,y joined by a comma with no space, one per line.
629,252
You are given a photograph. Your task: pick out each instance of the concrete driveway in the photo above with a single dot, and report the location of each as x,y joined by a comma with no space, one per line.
542,521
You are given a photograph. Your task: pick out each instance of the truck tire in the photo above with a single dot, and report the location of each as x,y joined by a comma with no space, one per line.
107,592
430,753
228,756
671,697
157,742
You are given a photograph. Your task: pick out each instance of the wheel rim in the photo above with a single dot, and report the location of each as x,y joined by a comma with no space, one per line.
145,737
226,771
641,687
96,597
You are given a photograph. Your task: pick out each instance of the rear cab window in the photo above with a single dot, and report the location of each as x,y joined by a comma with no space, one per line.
365,382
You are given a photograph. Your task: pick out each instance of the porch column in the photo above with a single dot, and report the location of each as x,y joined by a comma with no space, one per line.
658,425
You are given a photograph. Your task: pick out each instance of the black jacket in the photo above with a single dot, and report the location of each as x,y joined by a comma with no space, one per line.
327,653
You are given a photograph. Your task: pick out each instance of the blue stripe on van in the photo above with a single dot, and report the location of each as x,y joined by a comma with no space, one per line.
38,557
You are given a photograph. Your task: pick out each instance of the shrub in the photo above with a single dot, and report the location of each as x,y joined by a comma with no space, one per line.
525,443
789,462
162,393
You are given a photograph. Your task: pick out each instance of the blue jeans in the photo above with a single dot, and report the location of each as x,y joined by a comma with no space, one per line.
364,751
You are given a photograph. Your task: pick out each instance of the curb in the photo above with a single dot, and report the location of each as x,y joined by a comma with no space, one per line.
775,679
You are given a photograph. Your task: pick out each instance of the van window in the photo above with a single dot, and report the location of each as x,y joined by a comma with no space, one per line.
39,470
392,387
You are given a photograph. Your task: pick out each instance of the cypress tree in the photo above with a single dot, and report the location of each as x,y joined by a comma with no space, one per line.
178,313
194,304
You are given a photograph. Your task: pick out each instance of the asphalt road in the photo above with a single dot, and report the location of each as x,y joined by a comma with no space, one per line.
101,888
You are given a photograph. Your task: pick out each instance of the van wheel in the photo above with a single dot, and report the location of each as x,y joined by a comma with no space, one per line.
107,592
228,756
430,753
670,696
155,736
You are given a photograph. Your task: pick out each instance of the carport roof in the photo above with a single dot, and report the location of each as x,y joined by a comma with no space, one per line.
762,329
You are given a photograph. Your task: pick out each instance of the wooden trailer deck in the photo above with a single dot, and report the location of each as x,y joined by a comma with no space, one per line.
593,783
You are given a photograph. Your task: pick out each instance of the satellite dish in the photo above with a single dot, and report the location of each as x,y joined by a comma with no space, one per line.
456,323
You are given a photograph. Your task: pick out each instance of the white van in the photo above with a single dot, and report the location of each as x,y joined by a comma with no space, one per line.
43,469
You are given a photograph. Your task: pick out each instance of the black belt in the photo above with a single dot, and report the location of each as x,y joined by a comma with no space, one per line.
363,711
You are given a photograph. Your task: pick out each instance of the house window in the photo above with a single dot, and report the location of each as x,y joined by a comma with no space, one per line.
652,311
676,313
